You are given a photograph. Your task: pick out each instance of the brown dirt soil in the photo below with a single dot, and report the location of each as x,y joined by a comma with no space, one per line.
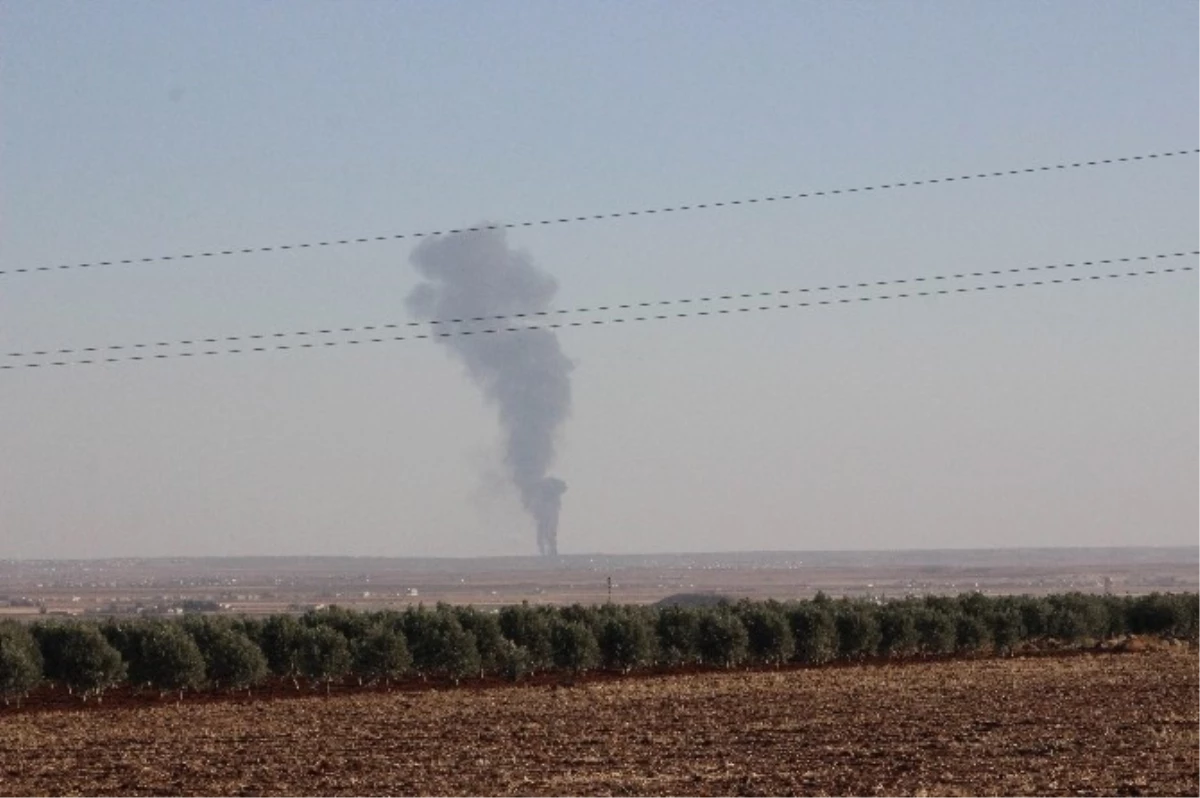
1086,725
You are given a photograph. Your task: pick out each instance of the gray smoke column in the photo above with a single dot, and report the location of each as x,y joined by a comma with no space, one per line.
524,374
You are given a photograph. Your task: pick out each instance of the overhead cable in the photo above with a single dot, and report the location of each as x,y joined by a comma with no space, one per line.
612,321
565,219
370,328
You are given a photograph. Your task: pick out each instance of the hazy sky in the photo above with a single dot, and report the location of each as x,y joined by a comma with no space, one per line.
1044,416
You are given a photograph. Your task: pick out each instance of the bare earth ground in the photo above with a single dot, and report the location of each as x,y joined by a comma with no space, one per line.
1083,725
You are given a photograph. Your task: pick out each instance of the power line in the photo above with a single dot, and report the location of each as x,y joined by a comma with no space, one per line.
599,322
198,341
219,253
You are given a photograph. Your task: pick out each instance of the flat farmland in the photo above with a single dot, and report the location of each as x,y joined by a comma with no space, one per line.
265,585
1083,725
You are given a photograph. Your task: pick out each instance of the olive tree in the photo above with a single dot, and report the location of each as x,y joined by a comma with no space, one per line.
678,632
815,632
721,637
574,646
898,636
231,659
20,662
159,654
439,644
324,655
380,654
769,636
529,628
626,638
937,629
281,638
1006,628
971,634
857,629
495,651
78,656
1076,617
1164,614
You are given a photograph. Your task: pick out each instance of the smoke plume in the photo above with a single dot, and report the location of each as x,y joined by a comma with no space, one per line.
524,374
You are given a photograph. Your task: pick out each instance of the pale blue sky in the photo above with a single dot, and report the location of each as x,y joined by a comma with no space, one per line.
1058,416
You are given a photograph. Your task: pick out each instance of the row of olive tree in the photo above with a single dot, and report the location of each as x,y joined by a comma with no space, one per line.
451,643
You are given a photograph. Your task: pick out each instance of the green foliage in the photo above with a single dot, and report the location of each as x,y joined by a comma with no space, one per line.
857,629
1035,616
678,632
529,628
626,638
1191,603
350,623
814,630
514,661
574,646
439,644
380,653
457,642
323,654
769,636
971,633
280,637
1116,610
578,613
231,658
494,650
20,662
974,605
1006,628
1075,617
1164,614
721,638
77,655
937,630
159,654
898,635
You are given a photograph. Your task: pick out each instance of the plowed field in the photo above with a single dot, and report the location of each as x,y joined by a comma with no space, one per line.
1095,724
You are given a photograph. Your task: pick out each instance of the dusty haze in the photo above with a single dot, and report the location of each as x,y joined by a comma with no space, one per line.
1044,416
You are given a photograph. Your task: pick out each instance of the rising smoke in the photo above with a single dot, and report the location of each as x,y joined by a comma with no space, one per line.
524,374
